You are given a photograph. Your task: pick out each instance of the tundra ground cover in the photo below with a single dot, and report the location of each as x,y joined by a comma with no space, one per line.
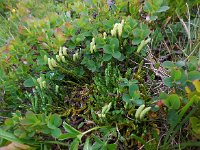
96,74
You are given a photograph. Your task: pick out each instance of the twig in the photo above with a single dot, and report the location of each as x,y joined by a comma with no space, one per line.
160,141
146,143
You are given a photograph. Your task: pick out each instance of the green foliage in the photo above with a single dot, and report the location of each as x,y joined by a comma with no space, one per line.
74,134
181,7
154,7
182,74
110,80
172,101
8,136
33,125
195,122
179,75
113,97
133,95
194,95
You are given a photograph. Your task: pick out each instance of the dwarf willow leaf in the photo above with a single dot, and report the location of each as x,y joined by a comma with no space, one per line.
162,9
172,101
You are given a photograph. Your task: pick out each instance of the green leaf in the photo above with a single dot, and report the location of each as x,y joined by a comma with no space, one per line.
20,133
107,57
45,129
55,120
100,42
163,95
79,70
67,136
124,82
192,63
195,123
91,65
136,41
168,81
163,9
116,54
40,61
70,129
196,83
87,145
111,146
133,23
176,74
180,64
140,33
136,95
29,83
30,119
172,117
97,146
97,140
132,88
56,132
108,49
183,78
168,64
121,58
126,98
194,75
115,43
172,101
132,82
129,49
153,18
138,102
74,144
8,136
9,122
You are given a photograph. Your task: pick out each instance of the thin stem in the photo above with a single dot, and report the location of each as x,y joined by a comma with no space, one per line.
182,123
55,142
95,128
